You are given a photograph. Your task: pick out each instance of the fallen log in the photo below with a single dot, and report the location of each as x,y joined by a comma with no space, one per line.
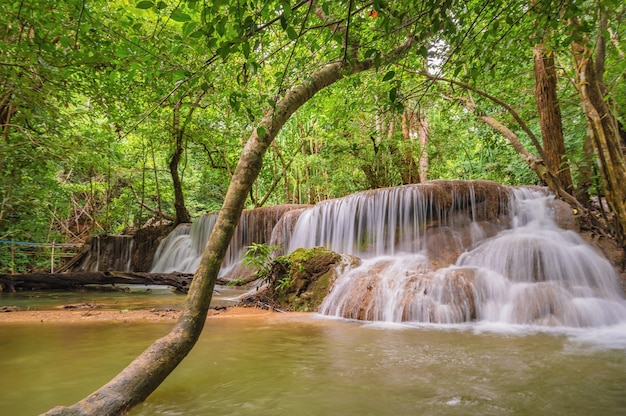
78,280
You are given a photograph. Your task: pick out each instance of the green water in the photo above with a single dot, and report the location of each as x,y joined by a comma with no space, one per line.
133,297
311,366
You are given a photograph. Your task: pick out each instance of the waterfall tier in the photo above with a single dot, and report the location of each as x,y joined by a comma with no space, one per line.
440,252
182,249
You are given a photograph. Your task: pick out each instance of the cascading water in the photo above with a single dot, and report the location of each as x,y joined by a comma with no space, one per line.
106,253
182,250
397,220
538,273
439,252
533,273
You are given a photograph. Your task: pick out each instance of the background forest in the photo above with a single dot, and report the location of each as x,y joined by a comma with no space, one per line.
115,115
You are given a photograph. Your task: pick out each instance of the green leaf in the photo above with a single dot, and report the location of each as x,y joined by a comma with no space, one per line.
189,28
144,5
291,33
197,34
377,59
389,75
224,50
221,28
286,9
122,52
245,49
234,101
179,16
261,132
393,94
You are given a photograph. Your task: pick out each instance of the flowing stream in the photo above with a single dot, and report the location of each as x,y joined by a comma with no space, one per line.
306,365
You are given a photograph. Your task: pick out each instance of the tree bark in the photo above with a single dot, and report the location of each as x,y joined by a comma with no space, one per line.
537,165
550,116
605,135
133,384
78,280
182,214
423,156
406,162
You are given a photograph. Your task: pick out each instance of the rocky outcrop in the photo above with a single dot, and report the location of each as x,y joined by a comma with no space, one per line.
301,280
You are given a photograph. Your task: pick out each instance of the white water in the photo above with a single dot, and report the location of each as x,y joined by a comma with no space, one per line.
108,253
182,250
532,274
382,222
434,257
538,273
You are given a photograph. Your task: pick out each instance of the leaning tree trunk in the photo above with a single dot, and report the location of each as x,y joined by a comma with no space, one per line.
605,135
133,384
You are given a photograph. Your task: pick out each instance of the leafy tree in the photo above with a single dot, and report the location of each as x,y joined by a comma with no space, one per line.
142,376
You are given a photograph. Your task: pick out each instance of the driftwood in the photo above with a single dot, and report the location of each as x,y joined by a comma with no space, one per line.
78,280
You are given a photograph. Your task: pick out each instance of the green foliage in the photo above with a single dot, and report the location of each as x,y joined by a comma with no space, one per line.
259,256
90,92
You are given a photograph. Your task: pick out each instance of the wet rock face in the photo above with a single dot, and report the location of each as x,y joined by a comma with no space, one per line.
122,252
301,280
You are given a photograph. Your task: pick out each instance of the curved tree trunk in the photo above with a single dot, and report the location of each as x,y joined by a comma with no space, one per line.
133,384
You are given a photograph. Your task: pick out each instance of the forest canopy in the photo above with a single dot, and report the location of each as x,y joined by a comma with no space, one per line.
115,115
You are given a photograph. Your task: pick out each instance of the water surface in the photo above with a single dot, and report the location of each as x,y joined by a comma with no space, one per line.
313,366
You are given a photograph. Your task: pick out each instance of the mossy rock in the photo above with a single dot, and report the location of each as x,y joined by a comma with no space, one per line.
301,280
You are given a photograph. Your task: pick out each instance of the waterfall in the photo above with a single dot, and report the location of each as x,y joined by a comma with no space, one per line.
182,249
528,271
442,252
106,253
397,220
538,273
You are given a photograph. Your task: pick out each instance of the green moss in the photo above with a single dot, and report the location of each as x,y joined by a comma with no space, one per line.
304,278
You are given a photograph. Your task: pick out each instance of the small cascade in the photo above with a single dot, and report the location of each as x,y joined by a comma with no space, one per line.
397,220
107,253
182,250
526,271
537,273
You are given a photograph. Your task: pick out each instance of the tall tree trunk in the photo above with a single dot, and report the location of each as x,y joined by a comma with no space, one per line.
406,162
606,137
550,116
133,385
182,214
423,156
585,170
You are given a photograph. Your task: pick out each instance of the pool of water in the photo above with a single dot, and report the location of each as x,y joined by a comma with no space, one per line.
132,297
306,365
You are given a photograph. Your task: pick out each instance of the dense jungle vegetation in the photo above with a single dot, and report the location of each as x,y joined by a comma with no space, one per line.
117,114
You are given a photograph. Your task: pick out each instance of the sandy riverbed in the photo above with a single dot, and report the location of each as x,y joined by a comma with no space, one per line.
100,315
